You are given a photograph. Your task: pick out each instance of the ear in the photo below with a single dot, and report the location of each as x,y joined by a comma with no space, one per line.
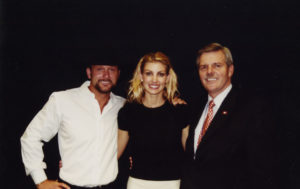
230,70
88,72
141,76
119,72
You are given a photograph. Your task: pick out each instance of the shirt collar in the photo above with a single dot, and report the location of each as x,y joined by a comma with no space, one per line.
219,99
85,88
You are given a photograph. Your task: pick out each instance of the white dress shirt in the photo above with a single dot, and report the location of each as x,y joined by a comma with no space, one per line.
87,138
218,101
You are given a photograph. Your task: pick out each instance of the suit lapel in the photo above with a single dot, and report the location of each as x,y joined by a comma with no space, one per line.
198,112
220,118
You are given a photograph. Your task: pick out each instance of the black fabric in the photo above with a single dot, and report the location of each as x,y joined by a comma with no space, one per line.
239,149
155,139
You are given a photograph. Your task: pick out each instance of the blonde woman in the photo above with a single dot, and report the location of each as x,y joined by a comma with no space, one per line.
155,129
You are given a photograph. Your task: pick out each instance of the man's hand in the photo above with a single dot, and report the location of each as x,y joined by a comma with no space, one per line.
177,100
130,162
52,184
60,164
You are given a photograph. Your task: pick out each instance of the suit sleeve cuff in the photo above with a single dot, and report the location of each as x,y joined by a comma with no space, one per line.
38,176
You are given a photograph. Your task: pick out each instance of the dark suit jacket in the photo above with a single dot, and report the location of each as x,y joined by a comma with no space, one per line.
238,150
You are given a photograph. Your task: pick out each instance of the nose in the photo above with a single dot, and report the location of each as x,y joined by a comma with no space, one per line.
105,73
154,78
210,70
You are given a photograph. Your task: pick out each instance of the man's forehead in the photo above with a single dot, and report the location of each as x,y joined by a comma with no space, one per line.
104,65
212,57
213,62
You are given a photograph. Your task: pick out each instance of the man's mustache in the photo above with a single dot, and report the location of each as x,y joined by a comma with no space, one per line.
107,80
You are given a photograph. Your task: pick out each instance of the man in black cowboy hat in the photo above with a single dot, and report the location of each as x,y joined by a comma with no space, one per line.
85,120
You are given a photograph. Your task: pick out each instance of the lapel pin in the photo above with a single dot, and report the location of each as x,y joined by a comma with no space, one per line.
224,112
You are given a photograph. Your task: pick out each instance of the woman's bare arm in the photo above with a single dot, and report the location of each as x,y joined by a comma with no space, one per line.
184,136
123,138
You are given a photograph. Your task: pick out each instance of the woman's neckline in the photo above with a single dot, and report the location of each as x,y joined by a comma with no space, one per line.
155,107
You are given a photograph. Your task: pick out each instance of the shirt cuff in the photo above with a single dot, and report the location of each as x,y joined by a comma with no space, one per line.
38,176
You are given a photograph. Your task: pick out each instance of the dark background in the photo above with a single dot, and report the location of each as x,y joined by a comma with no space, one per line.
42,43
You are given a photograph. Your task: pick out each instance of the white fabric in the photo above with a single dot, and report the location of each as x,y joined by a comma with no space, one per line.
87,138
134,183
218,101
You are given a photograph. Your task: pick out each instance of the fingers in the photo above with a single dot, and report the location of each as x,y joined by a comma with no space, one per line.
177,101
130,162
60,164
52,184
63,185
181,101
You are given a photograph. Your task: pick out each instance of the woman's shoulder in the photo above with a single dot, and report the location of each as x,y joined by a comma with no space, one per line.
129,106
127,112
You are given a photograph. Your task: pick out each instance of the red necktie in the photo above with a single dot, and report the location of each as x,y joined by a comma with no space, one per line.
207,121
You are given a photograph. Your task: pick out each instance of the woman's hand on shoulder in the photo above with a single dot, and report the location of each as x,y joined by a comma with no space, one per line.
177,101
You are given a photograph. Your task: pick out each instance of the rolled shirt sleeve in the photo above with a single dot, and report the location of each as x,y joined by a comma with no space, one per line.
43,127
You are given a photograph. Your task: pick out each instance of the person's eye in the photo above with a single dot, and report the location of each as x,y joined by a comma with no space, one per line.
202,67
161,74
148,73
218,65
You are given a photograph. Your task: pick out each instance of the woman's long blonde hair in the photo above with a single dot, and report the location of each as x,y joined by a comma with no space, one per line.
136,91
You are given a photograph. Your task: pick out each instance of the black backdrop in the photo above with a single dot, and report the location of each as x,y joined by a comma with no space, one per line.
42,41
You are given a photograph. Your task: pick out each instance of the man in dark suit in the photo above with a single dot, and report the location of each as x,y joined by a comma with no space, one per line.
231,143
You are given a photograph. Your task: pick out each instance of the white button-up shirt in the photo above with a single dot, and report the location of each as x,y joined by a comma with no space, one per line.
87,138
218,100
